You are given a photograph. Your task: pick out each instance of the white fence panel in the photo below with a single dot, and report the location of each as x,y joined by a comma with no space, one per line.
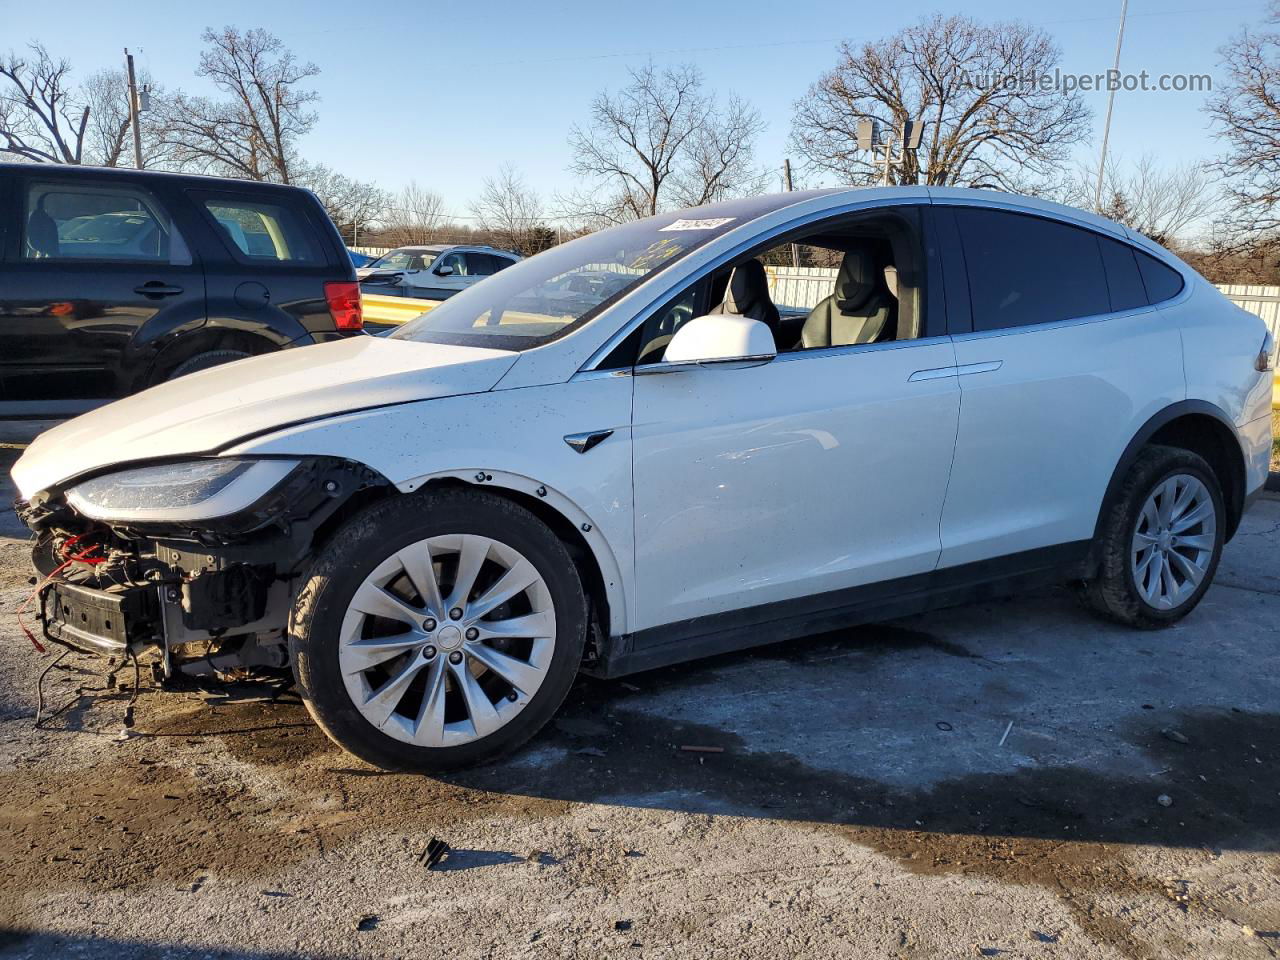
800,288
1262,300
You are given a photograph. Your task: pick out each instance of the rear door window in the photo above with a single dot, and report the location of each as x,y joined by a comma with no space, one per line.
116,223
263,232
479,265
1026,270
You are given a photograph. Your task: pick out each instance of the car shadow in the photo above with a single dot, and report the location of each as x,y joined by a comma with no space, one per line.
1172,772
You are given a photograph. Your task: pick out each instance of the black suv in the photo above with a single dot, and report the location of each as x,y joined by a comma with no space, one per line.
114,280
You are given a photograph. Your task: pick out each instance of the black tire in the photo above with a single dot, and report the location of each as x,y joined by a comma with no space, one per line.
1113,592
203,361
368,539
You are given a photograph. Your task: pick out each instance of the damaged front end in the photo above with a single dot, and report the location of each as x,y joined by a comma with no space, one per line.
191,565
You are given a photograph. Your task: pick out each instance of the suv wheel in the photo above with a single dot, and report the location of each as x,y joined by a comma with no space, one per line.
1161,540
438,630
203,361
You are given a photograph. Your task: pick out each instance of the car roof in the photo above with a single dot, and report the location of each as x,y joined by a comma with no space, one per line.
71,171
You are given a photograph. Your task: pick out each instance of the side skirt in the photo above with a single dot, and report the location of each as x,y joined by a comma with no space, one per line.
787,619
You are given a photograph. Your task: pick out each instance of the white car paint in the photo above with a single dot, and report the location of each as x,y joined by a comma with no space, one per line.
204,412
514,436
726,488
804,475
1040,434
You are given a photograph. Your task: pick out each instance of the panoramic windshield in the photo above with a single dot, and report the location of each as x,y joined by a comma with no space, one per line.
544,297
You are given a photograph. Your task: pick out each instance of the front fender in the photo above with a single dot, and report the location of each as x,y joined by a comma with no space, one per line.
597,543
512,439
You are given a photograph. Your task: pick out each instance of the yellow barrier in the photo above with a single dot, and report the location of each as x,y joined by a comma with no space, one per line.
393,311
1275,392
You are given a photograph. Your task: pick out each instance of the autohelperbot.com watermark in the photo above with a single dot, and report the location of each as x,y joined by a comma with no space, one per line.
1108,81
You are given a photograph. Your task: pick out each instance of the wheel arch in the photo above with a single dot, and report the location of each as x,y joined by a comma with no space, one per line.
591,552
183,348
1202,428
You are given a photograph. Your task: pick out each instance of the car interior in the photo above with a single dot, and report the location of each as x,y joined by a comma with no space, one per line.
97,225
868,271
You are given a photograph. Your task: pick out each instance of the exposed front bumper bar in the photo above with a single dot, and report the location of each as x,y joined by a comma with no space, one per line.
99,620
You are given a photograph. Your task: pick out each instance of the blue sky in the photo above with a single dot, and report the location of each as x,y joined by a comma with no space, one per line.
445,93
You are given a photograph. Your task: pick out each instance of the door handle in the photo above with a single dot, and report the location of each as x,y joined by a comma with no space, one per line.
157,288
967,369
935,373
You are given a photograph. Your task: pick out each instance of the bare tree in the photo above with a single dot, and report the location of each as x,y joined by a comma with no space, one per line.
109,142
416,215
512,212
355,206
1161,202
1246,112
661,141
991,118
42,118
254,132
45,117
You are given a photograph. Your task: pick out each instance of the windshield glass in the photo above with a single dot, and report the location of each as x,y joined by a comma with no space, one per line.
544,297
404,260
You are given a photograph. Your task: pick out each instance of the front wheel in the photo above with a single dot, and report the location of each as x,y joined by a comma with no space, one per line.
1161,540
438,630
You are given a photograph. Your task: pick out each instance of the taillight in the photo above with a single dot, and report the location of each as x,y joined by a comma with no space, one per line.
1266,356
344,303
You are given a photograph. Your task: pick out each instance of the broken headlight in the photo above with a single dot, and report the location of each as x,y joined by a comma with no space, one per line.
187,491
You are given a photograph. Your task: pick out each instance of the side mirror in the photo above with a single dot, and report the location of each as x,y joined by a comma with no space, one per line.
444,271
719,338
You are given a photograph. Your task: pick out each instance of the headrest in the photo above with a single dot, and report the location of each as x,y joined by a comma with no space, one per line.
748,290
855,281
42,234
891,280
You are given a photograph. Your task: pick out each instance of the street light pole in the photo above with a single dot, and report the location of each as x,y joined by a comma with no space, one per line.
1111,102
133,110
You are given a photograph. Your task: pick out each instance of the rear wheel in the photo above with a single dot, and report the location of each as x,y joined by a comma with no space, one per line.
203,361
1161,540
438,631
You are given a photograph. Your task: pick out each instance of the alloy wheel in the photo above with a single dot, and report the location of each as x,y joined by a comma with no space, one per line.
447,640
1173,541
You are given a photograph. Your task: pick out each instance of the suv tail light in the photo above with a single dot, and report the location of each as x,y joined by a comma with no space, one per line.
344,303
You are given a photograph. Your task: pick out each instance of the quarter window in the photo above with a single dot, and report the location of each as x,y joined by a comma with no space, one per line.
263,232
1162,282
1025,270
1123,280
86,222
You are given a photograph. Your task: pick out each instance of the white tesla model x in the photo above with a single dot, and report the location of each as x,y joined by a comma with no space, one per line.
634,450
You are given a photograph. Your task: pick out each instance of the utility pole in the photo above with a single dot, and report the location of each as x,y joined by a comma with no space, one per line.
786,179
133,110
1111,102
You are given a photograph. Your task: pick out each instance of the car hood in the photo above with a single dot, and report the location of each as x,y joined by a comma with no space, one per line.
205,412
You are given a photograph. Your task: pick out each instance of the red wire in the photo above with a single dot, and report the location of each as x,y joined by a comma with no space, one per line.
81,557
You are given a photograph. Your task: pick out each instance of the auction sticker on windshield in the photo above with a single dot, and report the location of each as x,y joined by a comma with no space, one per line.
697,224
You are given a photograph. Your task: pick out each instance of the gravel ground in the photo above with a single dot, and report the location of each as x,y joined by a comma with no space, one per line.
863,804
